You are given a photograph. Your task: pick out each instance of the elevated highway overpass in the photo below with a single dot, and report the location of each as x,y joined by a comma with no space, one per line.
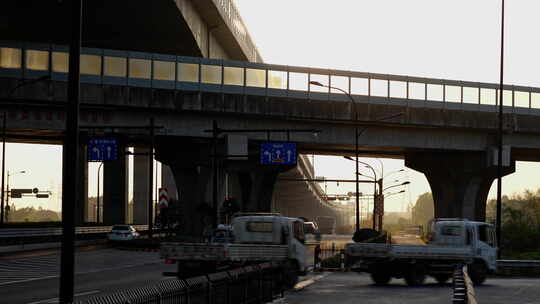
447,129
203,28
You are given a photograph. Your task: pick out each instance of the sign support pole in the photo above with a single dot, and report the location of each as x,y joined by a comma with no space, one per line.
151,180
214,174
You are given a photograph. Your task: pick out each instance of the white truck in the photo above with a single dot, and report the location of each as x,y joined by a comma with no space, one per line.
255,238
448,242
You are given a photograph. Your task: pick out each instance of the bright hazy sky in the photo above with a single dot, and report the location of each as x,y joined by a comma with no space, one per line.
458,39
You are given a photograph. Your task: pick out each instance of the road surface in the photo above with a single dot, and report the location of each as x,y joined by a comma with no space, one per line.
35,280
353,288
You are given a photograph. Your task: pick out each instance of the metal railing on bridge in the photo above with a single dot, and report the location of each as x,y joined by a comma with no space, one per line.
114,67
42,232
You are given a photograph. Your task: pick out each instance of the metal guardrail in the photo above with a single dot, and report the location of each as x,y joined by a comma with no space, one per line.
115,67
251,284
37,232
518,263
463,289
518,268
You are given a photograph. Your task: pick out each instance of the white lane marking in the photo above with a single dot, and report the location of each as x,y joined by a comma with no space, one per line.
55,300
303,284
28,280
79,273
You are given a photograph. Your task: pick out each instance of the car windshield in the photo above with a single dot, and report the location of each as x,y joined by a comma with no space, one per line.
125,228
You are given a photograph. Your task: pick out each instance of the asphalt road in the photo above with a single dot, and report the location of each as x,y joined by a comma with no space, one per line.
34,280
349,288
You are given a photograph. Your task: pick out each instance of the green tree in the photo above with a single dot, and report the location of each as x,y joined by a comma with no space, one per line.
520,223
423,210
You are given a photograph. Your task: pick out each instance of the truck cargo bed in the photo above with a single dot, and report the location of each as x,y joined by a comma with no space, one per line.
223,252
407,251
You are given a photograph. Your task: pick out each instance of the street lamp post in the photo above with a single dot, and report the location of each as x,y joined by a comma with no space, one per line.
377,222
4,124
357,133
7,191
357,186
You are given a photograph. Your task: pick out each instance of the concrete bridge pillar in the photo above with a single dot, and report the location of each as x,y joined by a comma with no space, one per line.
140,186
197,212
460,181
249,183
253,184
168,182
115,189
191,170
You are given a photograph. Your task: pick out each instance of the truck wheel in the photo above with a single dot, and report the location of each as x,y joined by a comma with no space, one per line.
415,275
442,278
381,277
477,273
290,275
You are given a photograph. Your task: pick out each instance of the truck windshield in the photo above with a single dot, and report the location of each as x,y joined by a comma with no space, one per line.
451,230
298,231
259,226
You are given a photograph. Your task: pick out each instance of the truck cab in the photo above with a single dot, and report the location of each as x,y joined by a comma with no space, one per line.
273,229
479,236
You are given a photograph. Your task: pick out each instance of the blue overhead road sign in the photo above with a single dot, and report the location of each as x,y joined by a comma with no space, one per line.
102,149
278,153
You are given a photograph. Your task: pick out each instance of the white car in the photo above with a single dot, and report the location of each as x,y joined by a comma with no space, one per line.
122,233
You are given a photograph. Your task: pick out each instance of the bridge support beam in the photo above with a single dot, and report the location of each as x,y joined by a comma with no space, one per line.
460,181
140,186
115,189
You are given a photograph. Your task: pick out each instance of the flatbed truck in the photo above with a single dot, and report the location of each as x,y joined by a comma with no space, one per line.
448,242
256,238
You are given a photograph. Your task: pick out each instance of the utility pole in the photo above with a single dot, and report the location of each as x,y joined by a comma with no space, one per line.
70,159
3,166
380,202
500,142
